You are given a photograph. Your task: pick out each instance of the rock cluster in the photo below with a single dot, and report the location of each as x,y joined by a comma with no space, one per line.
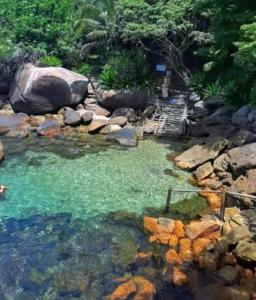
55,102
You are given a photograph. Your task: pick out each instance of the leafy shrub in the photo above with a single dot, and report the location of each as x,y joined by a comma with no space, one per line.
126,70
51,61
197,83
213,89
108,77
84,69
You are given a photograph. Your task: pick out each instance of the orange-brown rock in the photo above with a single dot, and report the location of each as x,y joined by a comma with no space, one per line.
172,257
137,286
173,242
213,200
153,238
185,244
146,289
123,291
165,225
150,224
179,278
179,229
164,238
186,255
202,228
214,235
199,245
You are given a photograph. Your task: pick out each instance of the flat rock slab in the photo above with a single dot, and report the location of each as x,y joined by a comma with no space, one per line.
246,251
125,137
199,154
243,158
203,171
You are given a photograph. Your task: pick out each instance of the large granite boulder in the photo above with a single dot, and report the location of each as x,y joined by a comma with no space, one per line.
243,158
199,154
125,137
44,90
117,99
13,121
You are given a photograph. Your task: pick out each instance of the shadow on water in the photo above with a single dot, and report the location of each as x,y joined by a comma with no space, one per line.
57,257
66,148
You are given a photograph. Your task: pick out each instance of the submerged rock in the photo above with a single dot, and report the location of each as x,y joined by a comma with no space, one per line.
137,286
45,90
13,121
125,137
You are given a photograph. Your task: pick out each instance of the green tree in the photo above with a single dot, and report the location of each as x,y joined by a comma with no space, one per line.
230,57
45,25
95,26
166,28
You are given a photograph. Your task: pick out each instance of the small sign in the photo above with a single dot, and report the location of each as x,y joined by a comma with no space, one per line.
160,68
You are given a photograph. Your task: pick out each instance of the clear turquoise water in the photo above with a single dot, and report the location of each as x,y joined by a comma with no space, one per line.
108,180
68,226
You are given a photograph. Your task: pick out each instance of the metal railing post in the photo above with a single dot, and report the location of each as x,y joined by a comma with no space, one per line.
168,201
223,205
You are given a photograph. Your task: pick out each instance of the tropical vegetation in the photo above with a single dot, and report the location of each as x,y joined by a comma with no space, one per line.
121,40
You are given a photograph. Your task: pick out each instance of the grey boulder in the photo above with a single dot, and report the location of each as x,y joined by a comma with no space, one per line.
117,99
125,137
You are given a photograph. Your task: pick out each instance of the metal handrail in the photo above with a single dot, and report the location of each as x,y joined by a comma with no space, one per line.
223,203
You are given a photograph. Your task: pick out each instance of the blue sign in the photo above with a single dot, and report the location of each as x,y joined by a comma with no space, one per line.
160,68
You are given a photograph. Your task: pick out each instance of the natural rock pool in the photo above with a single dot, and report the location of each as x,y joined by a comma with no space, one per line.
68,224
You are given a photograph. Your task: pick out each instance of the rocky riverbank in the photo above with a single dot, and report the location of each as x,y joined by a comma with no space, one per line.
221,157
55,102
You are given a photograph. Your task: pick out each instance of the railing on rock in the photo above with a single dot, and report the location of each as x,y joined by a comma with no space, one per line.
224,194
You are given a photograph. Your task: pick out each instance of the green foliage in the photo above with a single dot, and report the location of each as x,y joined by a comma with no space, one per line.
44,25
197,83
126,70
231,57
213,89
84,69
165,28
95,26
51,61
